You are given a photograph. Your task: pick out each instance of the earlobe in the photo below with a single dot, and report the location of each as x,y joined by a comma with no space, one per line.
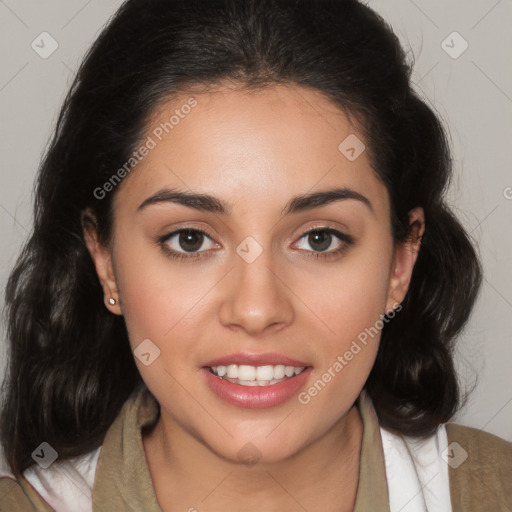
102,259
404,259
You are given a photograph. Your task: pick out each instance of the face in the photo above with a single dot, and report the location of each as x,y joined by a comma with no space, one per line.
273,282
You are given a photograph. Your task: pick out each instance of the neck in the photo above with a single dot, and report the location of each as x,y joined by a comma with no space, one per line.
187,475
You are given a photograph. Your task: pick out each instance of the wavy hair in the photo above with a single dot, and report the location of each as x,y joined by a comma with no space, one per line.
70,365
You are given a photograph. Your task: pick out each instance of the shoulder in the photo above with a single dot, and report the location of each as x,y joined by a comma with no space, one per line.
480,465
16,496
15,493
482,448
64,485
45,488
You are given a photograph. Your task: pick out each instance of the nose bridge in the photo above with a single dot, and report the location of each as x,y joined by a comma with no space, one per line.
257,298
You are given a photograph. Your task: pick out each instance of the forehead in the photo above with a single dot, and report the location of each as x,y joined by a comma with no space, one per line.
246,146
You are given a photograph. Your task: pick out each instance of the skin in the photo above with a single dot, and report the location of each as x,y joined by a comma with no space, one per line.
254,150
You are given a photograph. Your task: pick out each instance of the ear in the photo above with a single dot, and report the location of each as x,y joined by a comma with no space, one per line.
102,258
404,258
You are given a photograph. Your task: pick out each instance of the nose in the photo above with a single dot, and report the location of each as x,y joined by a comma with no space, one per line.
256,298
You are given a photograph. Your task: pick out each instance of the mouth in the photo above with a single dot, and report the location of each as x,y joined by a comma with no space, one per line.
256,380
247,375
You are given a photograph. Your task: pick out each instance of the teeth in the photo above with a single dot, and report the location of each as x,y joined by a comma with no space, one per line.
248,382
288,371
246,372
232,371
279,371
265,372
256,375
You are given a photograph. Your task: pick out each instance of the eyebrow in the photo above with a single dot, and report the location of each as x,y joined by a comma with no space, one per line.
208,203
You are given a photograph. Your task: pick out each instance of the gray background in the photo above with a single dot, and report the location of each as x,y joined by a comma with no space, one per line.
472,93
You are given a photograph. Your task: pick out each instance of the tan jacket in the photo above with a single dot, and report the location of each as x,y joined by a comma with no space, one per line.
122,482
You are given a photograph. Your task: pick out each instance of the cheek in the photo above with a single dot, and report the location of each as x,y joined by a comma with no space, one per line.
350,296
351,303
159,303
155,298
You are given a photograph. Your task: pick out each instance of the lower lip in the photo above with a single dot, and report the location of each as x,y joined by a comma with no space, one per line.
255,397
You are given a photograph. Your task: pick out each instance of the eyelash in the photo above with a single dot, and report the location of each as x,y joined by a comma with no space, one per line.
346,239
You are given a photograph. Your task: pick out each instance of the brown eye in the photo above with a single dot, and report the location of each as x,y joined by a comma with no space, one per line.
185,243
190,240
324,240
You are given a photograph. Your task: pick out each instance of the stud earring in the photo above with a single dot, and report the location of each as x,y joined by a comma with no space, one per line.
112,301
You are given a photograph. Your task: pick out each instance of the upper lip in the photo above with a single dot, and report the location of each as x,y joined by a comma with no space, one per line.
268,358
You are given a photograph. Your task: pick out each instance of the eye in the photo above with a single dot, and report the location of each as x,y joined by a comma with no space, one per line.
185,243
323,241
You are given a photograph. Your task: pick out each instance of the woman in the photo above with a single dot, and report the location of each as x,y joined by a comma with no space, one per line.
243,285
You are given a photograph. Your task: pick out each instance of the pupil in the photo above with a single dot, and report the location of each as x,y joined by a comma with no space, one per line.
320,237
192,238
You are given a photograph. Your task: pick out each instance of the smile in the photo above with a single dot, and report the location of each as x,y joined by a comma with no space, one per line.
265,375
